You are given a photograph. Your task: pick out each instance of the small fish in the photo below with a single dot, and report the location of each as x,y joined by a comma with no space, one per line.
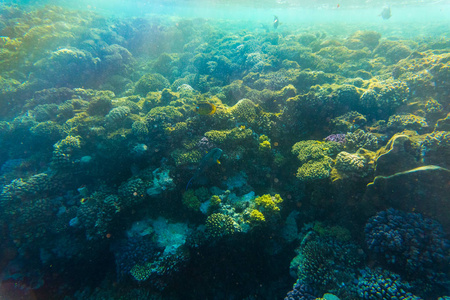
211,158
205,108
386,12
276,23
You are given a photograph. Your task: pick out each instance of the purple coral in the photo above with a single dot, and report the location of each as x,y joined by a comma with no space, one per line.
301,291
338,138
409,242
205,145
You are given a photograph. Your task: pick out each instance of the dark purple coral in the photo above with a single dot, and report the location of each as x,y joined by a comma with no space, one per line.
301,291
338,138
205,145
409,242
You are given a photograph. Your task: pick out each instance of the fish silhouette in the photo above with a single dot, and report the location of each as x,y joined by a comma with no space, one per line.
211,158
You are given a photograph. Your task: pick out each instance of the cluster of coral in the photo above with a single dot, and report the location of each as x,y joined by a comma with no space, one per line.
333,151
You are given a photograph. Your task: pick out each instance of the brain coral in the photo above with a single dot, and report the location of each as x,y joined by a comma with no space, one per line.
245,111
350,163
117,114
361,139
407,121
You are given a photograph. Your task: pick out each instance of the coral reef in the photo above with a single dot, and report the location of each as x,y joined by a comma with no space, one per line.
301,291
324,136
316,164
410,243
326,263
382,284
219,225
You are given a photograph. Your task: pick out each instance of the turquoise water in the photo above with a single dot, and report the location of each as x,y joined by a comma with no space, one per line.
224,150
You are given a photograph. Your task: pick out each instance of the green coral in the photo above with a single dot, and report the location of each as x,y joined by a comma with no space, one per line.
219,225
320,257
369,39
316,164
141,272
315,170
117,115
191,201
435,148
264,144
347,162
140,128
150,83
338,232
406,121
215,200
183,157
217,136
48,130
310,150
202,193
386,95
235,136
343,54
164,114
177,131
63,151
240,135
360,139
245,111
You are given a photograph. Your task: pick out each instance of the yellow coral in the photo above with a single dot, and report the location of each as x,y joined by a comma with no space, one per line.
265,146
256,216
215,200
269,203
263,138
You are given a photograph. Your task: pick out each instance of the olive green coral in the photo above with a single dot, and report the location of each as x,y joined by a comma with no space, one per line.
406,121
63,151
141,272
150,83
316,164
347,163
310,150
183,157
190,200
245,111
315,170
219,225
235,136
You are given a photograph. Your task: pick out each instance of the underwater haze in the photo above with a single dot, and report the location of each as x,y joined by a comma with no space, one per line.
183,149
